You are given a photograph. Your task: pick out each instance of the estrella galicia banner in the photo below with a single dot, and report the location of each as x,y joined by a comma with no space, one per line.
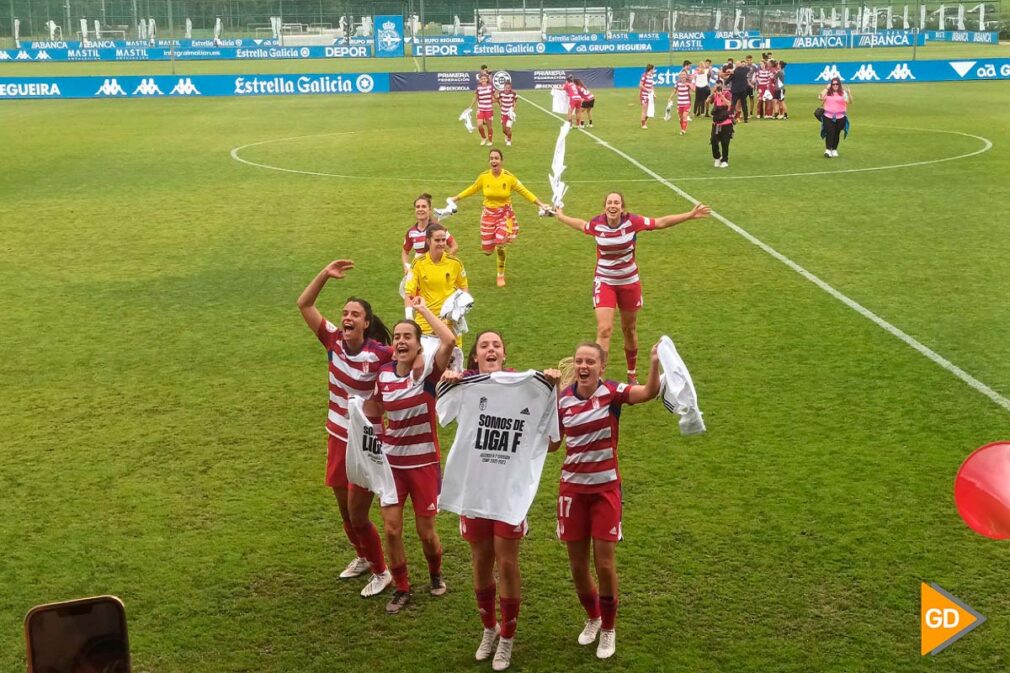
174,86
868,72
389,36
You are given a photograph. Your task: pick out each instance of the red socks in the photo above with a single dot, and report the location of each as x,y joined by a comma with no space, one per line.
371,547
632,357
485,605
509,616
435,563
608,610
355,539
591,602
400,578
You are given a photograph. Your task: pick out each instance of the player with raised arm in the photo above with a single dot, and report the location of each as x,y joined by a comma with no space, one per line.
355,351
414,240
435,276
483,99
405,391
616,285
498,225
589,498
494,542
507,107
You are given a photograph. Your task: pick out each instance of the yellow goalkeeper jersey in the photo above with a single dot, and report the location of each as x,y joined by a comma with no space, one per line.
435,282
497,189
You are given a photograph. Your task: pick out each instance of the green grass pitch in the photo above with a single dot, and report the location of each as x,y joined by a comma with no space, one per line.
162,403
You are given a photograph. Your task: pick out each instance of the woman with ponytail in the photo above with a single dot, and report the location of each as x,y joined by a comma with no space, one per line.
589,499
355,349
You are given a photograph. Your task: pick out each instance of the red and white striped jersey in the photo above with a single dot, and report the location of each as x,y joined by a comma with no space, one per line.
585,94
414,240
646,84
349,374
409,438
506,101
764,78
683,94
590,427
485,98
615,247
572,90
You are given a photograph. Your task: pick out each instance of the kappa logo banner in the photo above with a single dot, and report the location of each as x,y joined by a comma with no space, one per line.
943,619
865,73
902,72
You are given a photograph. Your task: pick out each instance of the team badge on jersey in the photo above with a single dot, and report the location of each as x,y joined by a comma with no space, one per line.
483,403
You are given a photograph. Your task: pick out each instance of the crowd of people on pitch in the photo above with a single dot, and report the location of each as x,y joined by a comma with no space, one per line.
738,91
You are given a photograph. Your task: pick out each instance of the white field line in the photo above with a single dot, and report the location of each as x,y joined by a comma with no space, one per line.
851,303
986,146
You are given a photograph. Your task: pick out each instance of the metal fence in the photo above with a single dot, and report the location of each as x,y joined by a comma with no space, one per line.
131,19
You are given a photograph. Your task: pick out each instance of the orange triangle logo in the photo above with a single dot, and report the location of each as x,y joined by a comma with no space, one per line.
943,619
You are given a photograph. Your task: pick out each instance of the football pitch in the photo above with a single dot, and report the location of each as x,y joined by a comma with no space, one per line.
163,403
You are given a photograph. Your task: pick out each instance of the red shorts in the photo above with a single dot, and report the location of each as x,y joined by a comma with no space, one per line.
480,530
336,462
574,104
585,515
498,227
624,297
422,484
644,97
683,108
485,114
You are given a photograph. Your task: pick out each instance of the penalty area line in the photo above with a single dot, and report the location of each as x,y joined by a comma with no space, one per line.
938,359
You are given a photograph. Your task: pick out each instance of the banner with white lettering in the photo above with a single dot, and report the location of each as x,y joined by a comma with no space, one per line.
166,86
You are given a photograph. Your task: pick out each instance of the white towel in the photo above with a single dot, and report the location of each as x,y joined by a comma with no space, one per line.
466,116
668,113
455,308
651,112
449,210
677,389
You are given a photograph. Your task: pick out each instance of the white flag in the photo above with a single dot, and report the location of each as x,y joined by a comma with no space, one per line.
217,28
558,187
84,30
466,116
98,30
17,33
152,28
189,29
559,101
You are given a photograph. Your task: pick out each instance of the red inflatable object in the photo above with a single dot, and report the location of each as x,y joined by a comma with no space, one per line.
982,491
